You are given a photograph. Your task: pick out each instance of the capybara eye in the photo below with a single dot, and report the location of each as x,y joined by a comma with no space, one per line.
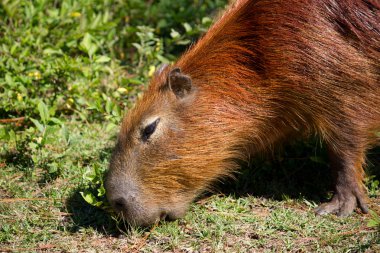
149,130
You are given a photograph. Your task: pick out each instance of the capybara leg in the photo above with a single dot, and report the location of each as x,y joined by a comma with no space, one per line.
348,178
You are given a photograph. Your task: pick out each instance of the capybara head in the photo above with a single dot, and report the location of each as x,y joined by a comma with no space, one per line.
168,151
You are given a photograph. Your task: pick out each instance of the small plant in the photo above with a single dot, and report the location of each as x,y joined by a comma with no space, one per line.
373,186
149,49
94,193
374,221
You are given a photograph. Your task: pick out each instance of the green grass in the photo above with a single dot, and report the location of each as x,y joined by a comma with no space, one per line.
68,72
45,212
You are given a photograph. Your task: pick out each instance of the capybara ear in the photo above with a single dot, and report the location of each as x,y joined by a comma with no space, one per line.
179,83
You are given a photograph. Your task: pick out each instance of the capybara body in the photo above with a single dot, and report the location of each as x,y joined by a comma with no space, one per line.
265,72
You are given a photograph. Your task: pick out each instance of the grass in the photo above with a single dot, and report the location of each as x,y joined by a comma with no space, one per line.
67,71
38,212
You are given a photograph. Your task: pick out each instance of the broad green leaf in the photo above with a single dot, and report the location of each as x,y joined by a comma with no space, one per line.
12,136
162,59
101,191
65,134
183,42
187,27
39,126
102,59
122,90
174,34
206,20
14,48
3,134
9,80
109,106
135,81
116,111
90,198
56,121
90,175
86,42
92,50
44,111
137,46
35,158
50,51
96,21
110,127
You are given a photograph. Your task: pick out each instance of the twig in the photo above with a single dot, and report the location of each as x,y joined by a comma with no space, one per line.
6,250
5,121
8,200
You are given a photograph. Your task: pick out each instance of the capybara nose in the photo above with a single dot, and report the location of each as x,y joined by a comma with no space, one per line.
120,204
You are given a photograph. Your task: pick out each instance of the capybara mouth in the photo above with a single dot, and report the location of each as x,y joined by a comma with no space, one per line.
168,216
141,220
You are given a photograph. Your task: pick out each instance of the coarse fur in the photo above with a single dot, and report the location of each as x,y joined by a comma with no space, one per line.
266,71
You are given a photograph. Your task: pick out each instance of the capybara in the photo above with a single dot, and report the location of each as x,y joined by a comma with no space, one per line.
265,72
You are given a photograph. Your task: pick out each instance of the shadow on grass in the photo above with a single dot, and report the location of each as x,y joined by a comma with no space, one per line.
300,170
86,216
373,163
20,158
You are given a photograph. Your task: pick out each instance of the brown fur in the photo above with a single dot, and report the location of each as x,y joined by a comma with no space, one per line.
267,70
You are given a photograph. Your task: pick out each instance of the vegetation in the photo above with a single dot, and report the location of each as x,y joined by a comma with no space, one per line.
68,71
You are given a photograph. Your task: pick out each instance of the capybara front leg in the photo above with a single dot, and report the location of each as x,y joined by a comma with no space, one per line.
349,193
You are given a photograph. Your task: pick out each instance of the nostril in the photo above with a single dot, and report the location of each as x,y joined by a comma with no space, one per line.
120,204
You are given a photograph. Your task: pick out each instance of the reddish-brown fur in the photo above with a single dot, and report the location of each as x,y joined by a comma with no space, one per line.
267,70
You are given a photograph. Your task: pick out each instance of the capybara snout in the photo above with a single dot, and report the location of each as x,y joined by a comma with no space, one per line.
127,196
267,71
